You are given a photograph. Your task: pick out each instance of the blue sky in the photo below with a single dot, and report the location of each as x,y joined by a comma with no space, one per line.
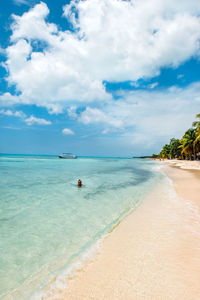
107,78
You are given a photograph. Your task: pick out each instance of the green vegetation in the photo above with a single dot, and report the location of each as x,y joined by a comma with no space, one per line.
188,147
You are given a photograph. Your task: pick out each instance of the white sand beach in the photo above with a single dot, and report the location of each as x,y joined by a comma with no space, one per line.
183,164
152,254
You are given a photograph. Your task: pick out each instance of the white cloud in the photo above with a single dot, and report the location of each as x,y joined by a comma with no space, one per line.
19,114
67,131
33,120
11,113
71,111
127,40
153,85
135,84
19,2
32,25
7,99
94,115
149,118
114,40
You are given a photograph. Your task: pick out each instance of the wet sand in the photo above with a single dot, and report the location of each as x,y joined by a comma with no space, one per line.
154,253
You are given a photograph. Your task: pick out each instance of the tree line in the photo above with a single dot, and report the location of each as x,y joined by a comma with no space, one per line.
188,147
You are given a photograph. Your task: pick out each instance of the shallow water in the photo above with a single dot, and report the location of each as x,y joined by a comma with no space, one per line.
46,221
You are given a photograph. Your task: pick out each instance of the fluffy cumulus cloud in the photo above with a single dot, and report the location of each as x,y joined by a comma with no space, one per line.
39,121
94,115
7,99
112,40
11,113
147,119
28,120
67,131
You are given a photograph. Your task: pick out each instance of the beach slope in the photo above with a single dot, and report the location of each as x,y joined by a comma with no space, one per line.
153,253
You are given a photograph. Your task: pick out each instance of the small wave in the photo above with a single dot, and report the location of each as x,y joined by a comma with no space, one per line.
60,277
58,283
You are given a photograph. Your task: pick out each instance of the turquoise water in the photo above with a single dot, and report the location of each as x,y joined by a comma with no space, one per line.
46,222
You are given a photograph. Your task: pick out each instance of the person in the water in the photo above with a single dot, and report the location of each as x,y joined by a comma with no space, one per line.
79,183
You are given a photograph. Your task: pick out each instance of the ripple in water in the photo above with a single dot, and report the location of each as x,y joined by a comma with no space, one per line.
46,221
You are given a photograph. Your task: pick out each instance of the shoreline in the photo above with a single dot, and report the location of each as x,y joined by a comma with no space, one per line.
182,164
145,255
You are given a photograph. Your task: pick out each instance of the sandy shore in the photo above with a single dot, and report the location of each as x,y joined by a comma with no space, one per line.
153,254
183,164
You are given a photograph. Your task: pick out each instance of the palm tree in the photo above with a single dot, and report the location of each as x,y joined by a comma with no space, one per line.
197,134
165,153
196,124
188,147
175,151
187,143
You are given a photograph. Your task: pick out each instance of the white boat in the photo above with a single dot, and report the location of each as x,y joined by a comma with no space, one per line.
67,156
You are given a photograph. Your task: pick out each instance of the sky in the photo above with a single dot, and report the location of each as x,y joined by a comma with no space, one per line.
97,77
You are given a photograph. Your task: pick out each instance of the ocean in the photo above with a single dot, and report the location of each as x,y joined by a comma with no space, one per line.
47,222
